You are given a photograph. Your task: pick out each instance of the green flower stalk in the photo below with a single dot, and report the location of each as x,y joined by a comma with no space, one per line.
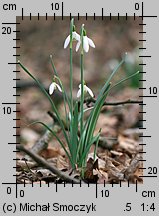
69,40
82,80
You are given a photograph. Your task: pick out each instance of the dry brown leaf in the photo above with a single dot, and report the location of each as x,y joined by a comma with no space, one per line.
39,182
25,164
113,171
91,165
44,172
108,125
50,153
102,175
132,133
101,163
124,159
116,153
61,163
130,145
134,164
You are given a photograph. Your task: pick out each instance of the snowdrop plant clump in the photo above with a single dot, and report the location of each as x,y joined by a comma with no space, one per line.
78,132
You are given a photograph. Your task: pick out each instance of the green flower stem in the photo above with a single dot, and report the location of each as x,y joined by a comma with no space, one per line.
71,68
71,78
71,90
82,93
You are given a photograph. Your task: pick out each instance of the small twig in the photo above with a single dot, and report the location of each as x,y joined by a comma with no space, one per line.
42,162
29,168
92,100
41,144
53,116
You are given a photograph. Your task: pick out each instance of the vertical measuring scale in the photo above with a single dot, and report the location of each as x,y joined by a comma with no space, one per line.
54,199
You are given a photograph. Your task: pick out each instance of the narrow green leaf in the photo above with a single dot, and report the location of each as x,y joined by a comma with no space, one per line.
125,79
74,133
54,134
65,100
96,145
49,98
92,121
57,75
110,78
86,151
84,111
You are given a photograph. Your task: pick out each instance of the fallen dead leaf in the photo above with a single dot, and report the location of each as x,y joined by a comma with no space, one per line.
25,164
102,176
50,153
101,163
116,153
62,163
91,165
128,144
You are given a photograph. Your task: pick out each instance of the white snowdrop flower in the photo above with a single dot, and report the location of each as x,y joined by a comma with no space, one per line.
78,45
75,36
53,87
86,43
86,90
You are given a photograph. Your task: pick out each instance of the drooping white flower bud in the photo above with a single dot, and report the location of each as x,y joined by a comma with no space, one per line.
86,90
53,87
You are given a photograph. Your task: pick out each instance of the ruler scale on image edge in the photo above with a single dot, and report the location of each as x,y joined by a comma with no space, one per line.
152,90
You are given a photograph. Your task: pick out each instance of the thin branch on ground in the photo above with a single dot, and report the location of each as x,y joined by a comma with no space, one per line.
41,144
129,101
45,164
